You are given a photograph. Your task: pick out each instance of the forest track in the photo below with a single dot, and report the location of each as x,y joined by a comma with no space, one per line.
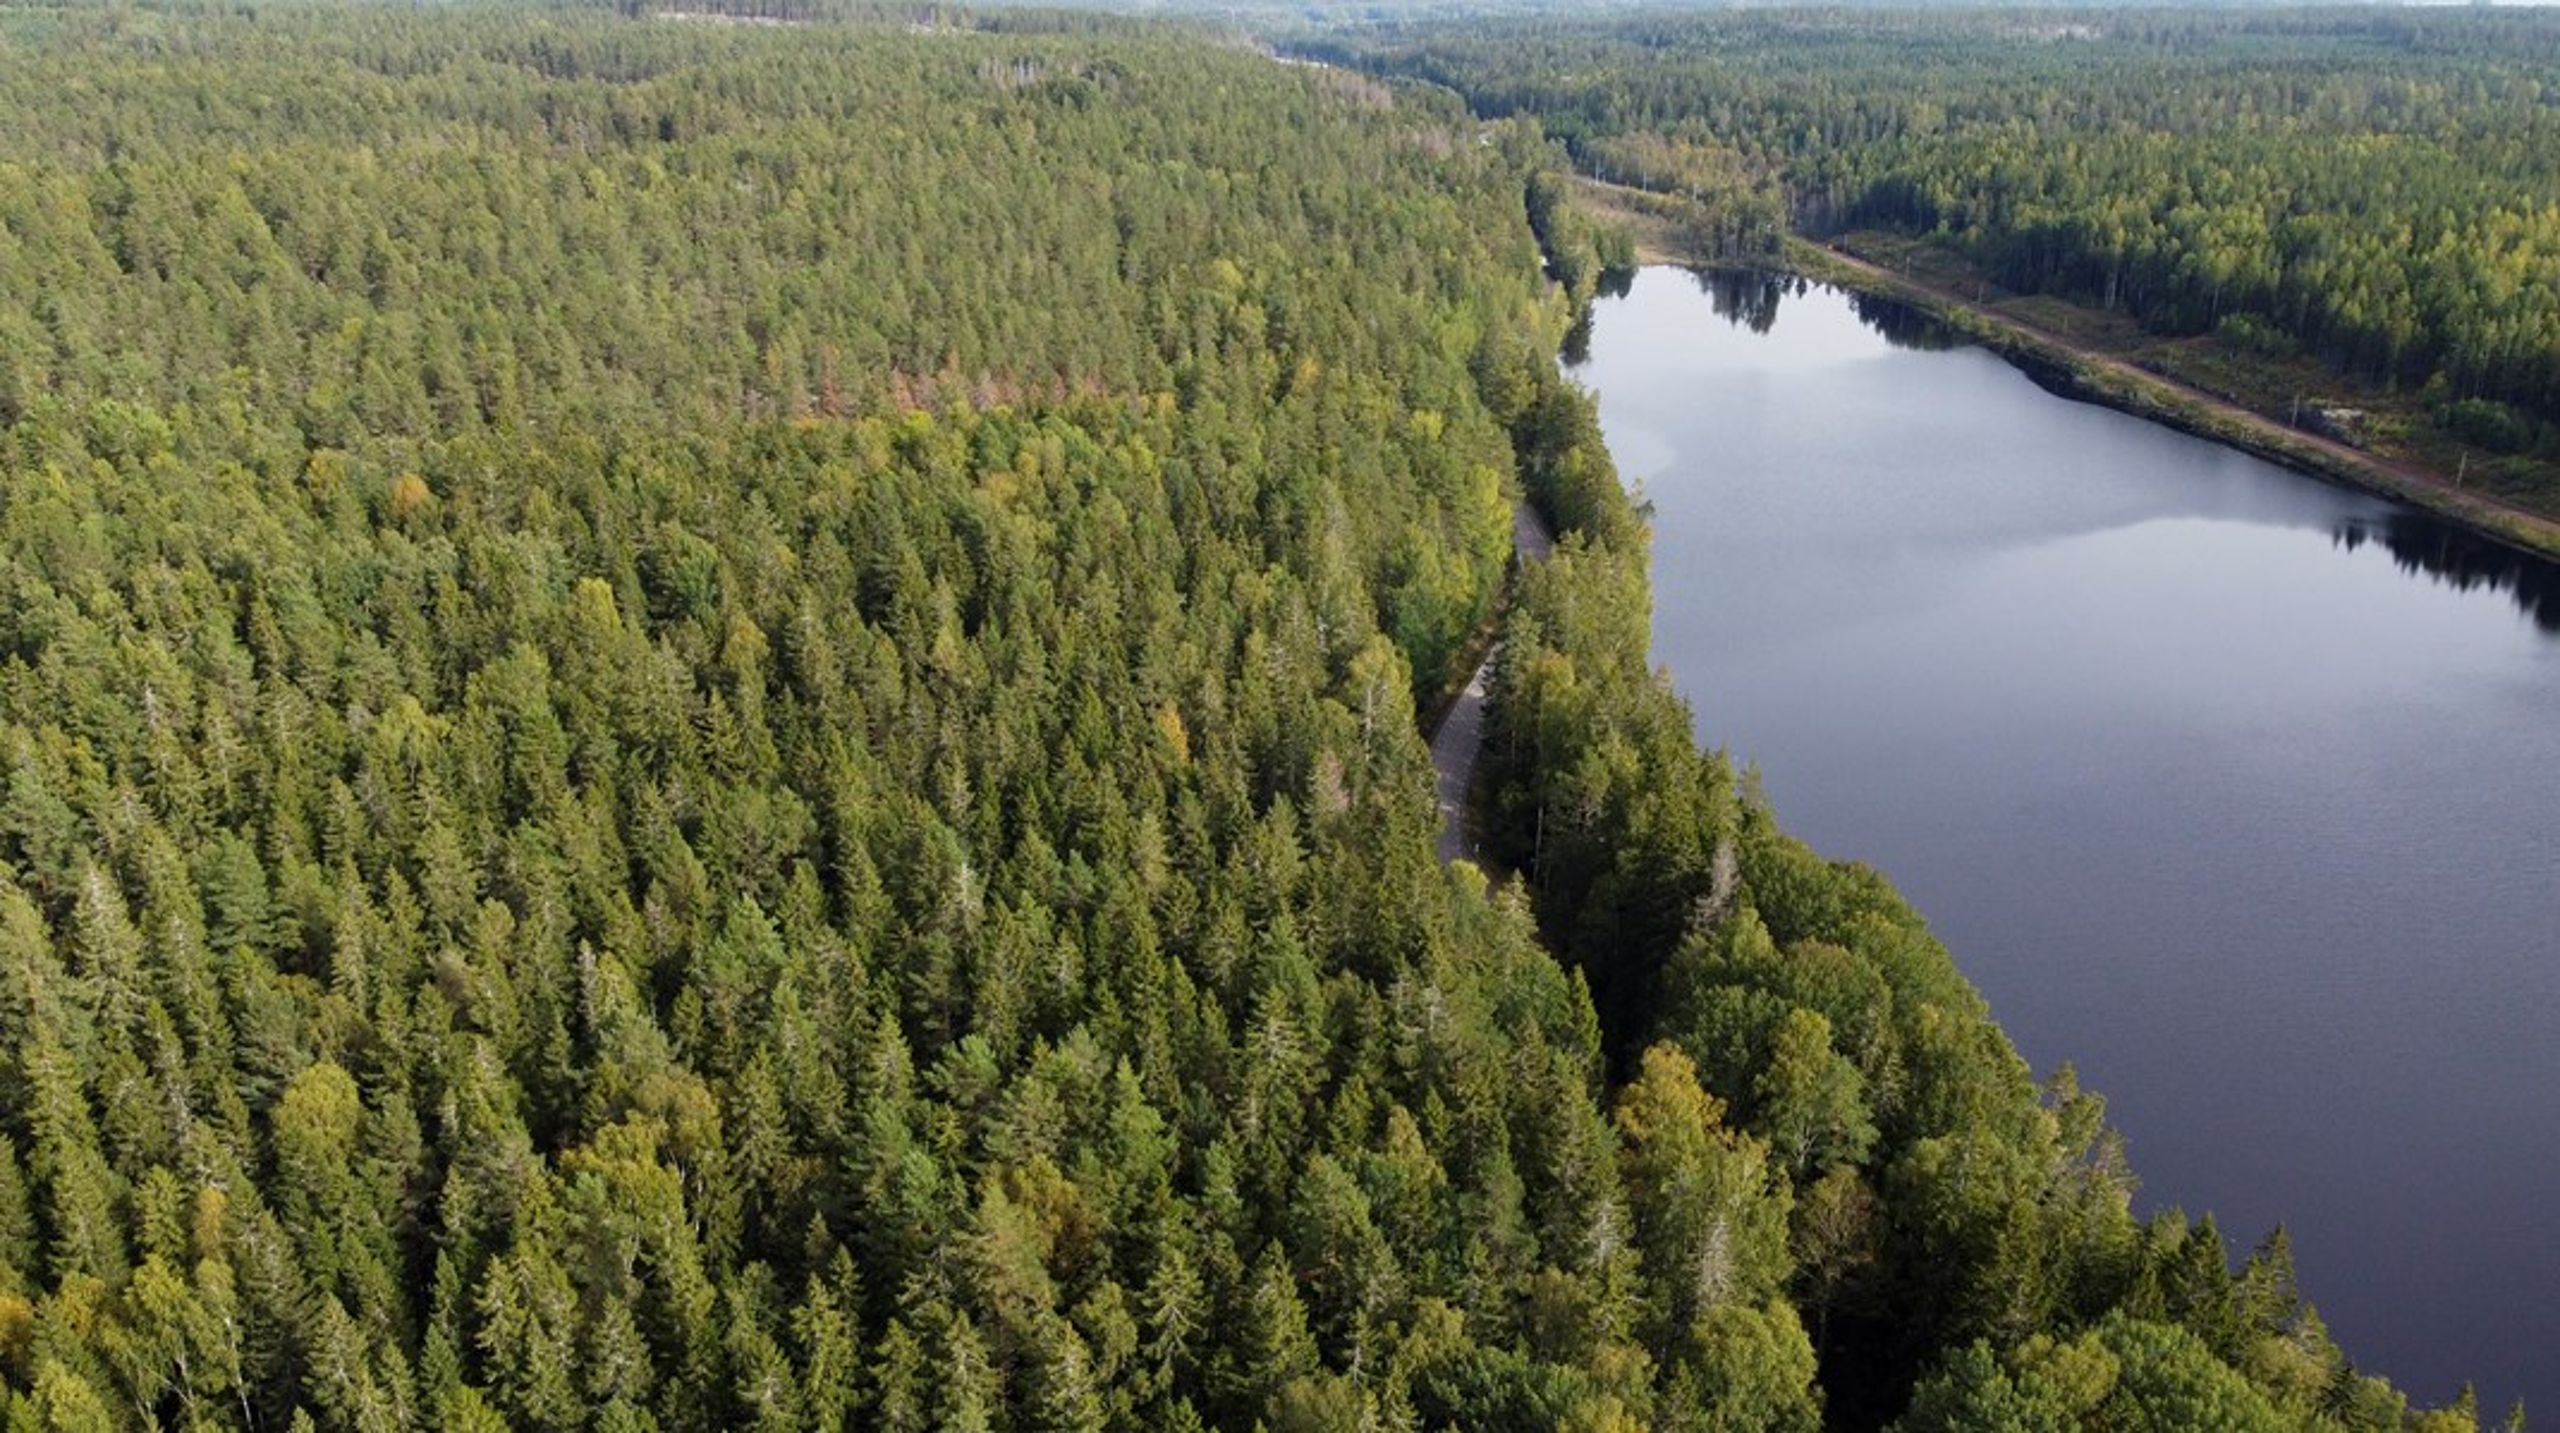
1457,743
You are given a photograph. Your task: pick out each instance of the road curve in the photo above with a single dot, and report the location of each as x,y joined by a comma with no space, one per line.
1458,743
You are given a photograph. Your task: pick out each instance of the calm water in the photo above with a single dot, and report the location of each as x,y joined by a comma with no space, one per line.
2234,788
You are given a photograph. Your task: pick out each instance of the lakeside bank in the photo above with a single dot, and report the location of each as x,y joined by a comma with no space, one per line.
2080,371
2077,372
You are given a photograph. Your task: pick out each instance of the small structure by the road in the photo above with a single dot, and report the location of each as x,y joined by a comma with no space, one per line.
2344,424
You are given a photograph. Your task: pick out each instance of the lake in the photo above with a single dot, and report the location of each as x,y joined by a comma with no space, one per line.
2237,789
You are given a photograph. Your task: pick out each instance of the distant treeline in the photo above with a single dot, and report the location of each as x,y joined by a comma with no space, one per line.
2379,188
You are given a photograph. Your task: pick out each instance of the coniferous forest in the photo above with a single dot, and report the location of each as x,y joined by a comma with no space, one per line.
716,725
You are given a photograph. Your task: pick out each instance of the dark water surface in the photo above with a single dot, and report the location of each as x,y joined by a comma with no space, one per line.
2239,790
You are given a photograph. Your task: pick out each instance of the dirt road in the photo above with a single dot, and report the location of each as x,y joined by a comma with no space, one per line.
1459,741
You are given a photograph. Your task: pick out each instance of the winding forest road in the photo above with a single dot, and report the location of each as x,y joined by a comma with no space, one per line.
1459,740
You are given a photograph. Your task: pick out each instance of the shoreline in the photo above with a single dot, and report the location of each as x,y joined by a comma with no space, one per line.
2077,372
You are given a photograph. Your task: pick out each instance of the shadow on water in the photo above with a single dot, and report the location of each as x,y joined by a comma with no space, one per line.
1577,340
1747,298
2461,561
1614,284
1750,298
1904,326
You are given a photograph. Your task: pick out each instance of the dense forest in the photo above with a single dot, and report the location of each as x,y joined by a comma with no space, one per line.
2378,189
714,725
